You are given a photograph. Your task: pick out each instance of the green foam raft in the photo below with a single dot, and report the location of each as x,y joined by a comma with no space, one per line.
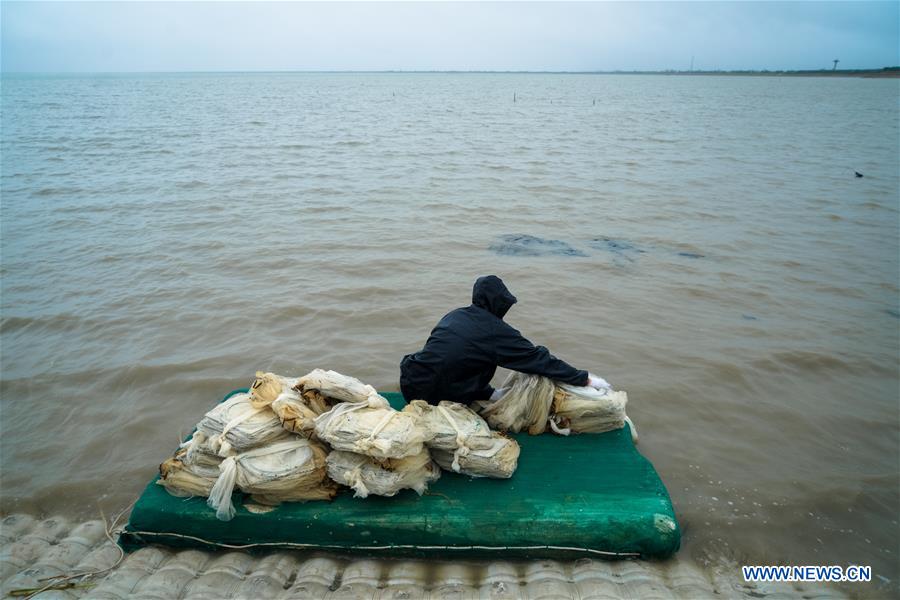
583,495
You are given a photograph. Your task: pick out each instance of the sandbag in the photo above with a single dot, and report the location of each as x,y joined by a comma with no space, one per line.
367,475
451,426
267,387
525,405
371,428
183,478
586,410
287,474
498,461
334,385
291,470
192,453
317,401
295,413
235,426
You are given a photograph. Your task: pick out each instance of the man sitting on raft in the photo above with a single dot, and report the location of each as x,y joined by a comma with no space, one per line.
468,344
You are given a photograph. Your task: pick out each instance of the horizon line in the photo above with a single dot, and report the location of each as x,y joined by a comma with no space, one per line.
464,71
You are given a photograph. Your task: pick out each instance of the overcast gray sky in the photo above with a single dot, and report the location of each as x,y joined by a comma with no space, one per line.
555,36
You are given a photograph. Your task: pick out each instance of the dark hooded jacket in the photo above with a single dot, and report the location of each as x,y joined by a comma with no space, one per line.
468,344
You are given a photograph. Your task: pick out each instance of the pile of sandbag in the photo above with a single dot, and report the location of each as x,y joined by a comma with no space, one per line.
534,403
375,448
291,439
462,442
294,439
242,443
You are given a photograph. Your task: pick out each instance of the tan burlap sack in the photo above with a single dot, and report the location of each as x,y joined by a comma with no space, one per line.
267,387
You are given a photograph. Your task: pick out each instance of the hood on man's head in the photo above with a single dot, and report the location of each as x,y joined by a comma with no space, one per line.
491,294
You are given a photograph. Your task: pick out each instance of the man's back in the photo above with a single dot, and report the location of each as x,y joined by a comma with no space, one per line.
466,346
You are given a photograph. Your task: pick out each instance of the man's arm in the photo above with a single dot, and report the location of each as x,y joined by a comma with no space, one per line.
515,352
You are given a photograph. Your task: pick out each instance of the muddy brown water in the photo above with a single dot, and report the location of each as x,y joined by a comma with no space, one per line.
702,243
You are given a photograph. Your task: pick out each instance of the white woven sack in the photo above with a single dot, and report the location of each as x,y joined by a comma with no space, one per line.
287,470
499,461
586,410
235,426
451,426
334,385
371,428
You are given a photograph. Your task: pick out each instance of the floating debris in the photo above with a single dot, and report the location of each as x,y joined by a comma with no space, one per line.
691,255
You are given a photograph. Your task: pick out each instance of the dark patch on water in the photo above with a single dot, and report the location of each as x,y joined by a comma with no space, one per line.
749,318
614,245
691,255
892,312
518,244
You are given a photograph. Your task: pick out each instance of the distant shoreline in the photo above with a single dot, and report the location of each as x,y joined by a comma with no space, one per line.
889,72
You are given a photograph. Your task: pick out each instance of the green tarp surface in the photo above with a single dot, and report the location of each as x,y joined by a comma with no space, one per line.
582,495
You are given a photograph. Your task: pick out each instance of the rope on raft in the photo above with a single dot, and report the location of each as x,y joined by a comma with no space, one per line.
386,547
